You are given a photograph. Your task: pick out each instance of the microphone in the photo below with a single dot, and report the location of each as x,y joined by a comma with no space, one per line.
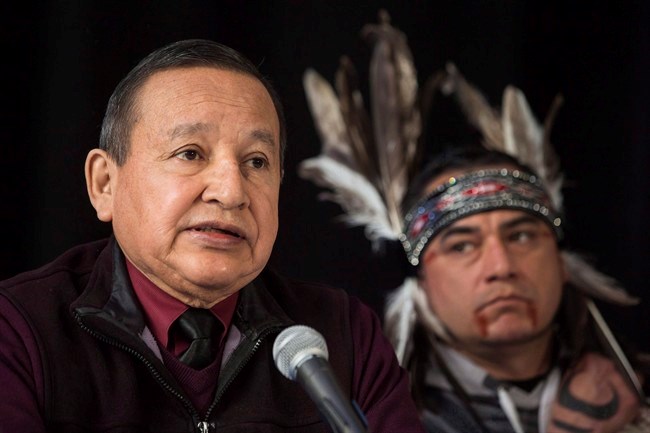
300,353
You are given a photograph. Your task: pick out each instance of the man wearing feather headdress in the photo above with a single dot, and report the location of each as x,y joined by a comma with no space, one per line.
496,324
500,340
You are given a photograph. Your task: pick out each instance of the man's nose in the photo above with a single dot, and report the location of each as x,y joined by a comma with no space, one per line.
498,261
225,184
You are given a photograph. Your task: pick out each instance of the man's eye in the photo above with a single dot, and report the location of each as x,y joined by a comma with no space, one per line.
258,162
461,247
521,236
188,155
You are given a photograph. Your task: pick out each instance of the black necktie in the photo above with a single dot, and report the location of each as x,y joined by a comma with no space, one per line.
201,329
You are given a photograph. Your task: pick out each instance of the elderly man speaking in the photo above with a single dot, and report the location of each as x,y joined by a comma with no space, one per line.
169,325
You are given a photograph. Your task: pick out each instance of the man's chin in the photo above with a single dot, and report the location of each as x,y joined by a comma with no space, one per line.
220,282
208,285
512,335
217,269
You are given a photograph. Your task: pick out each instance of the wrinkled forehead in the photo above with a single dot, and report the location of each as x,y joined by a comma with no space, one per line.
187,99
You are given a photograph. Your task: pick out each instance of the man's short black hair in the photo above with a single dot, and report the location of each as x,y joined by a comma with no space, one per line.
121,112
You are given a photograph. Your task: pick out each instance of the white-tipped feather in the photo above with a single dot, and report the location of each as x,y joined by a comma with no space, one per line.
360,200
428,318
594,283
400,318
407,305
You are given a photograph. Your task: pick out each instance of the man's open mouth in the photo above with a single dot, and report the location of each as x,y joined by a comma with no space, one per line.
217,230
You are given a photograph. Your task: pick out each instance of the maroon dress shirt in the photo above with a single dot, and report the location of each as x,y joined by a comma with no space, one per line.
160,311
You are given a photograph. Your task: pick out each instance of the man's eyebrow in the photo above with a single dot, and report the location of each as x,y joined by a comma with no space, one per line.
457,230
524,219
186,129
264,136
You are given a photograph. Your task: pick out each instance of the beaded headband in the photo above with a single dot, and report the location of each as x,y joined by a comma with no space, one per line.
472,193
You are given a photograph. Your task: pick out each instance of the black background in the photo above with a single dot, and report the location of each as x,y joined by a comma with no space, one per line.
61,60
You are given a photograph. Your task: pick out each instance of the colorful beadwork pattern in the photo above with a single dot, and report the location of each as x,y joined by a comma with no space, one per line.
472,193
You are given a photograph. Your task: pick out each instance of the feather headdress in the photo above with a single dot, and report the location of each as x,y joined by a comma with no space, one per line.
367,159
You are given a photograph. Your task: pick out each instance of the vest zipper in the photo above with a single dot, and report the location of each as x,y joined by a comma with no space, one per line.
156,374
232,377
203,426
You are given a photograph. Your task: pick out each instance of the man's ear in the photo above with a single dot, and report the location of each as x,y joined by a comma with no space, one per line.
100,174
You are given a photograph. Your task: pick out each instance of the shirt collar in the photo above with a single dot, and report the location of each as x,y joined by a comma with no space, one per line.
475,380
161,309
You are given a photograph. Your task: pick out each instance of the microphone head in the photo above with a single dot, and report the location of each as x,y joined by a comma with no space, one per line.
295,345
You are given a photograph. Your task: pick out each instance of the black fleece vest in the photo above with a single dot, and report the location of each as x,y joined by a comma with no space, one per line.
101,377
